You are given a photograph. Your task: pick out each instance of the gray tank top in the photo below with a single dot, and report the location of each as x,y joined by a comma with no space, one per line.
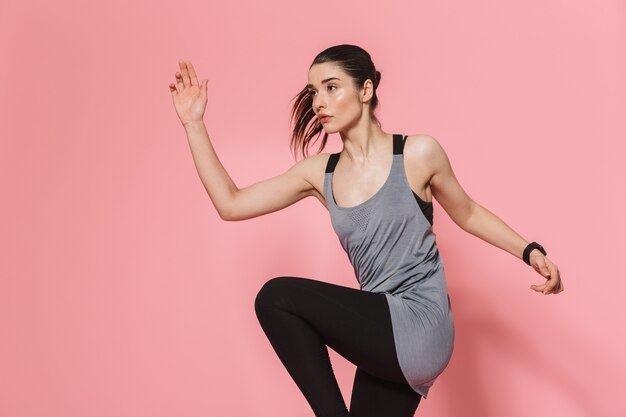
391,245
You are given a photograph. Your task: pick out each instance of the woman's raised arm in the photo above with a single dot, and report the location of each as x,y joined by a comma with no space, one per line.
231,203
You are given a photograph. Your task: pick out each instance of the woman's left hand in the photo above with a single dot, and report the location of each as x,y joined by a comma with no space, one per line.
549,271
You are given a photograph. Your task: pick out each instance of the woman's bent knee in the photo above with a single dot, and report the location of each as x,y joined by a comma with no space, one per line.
271,293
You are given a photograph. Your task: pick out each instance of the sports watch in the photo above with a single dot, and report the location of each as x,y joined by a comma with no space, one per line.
529,248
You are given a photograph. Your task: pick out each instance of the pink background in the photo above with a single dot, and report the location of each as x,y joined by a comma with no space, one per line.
122,293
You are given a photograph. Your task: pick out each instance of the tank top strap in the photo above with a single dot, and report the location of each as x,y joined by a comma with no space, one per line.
398,144
332,162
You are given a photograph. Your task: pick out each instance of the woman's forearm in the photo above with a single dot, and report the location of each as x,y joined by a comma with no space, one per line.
490,228
216,181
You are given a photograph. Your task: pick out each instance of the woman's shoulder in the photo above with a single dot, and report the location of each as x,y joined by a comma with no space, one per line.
420,140
313,163
424,153
312,169
422,145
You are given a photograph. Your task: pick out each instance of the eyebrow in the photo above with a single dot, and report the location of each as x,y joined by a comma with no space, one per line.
324,81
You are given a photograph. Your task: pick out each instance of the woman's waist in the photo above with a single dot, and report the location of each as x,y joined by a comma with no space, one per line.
402,279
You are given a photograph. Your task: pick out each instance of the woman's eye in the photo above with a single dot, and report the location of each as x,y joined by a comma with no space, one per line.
312,92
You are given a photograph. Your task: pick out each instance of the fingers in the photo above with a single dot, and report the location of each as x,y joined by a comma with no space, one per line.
559,287
552,282
179,82
185,73
185,78
192,74
554,285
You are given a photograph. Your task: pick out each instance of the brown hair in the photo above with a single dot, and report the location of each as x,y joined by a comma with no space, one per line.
357,63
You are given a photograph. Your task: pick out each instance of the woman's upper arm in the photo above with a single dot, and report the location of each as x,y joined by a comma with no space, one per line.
444,185
274,193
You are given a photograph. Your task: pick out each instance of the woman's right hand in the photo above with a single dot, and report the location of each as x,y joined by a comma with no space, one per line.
190,98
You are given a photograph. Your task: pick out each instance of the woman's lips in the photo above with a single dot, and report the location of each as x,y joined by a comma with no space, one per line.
325,119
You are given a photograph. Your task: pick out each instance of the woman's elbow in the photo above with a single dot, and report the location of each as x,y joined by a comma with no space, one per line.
463,214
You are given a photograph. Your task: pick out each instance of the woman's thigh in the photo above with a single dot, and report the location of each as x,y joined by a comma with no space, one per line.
376,397
354,323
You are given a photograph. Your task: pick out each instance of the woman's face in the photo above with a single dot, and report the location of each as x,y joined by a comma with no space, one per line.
333,94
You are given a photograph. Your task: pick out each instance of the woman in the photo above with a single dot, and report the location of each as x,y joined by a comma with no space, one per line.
398,328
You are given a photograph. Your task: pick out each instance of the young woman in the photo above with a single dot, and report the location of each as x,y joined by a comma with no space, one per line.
398,328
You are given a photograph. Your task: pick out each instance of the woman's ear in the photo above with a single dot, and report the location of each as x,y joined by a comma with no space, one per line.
367,91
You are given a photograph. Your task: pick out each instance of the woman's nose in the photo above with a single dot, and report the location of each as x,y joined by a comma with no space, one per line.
318,103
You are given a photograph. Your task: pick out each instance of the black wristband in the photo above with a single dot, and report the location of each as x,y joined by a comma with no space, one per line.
529,248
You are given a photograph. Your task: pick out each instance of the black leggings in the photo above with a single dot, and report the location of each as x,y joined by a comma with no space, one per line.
301,316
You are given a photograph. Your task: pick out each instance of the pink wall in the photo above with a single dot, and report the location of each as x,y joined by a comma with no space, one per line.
122,293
